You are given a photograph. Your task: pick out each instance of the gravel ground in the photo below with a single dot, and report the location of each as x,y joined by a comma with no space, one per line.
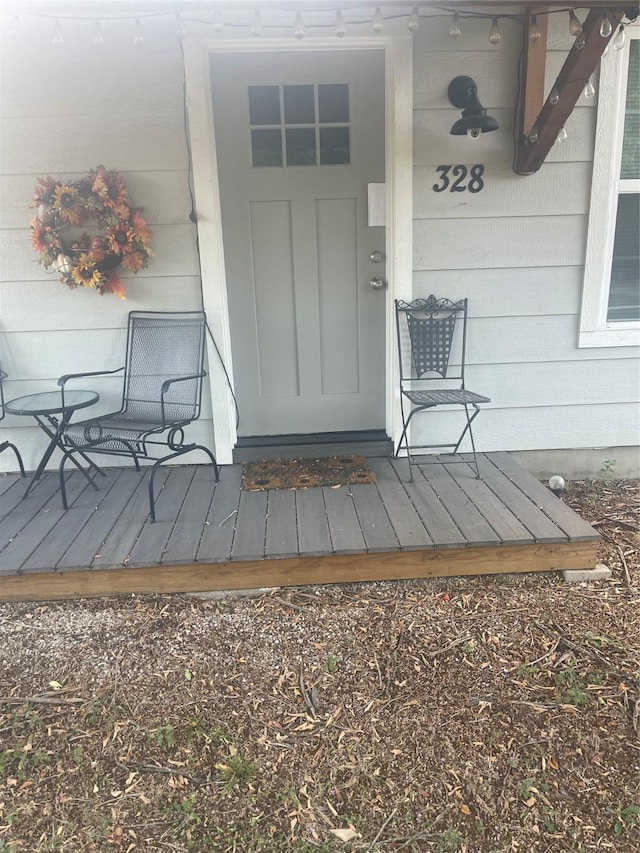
483,715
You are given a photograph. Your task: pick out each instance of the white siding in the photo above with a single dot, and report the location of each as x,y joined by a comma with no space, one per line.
516,249
63,112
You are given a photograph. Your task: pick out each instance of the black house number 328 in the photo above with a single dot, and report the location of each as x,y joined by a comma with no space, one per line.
454,179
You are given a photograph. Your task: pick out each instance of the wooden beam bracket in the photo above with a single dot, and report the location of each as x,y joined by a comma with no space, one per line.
534,140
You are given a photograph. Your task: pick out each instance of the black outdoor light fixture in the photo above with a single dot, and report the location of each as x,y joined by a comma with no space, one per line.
463,93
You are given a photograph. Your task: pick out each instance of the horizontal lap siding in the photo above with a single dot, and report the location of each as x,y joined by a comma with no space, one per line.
124,110
516,250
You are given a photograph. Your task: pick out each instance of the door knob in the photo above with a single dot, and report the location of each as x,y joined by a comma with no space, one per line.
377,283
377,257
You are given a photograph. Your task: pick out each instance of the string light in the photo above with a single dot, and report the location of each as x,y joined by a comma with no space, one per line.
57,34
621,39
575,27
98,38
256,26
139,38
554,97
606,27
534,30
413,21
377,24
533,136
181,30
340,29
562,136
454,29
580,42
495,36
298,27
589,90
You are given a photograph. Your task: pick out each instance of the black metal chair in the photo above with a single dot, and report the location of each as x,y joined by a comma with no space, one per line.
7,445
162,392
432,338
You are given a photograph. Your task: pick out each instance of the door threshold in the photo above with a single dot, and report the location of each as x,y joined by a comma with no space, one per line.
312,445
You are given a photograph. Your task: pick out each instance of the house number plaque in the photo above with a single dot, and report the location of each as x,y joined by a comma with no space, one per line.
460,179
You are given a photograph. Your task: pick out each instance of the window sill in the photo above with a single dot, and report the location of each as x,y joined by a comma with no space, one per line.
620,335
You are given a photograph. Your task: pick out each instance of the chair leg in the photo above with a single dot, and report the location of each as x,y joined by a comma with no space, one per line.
405,437
156,465
7,445
473,444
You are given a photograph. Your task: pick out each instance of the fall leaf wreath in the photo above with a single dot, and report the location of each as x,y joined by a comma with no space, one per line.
81,259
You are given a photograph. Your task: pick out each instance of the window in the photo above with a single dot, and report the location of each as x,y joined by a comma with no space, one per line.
611,298
300,125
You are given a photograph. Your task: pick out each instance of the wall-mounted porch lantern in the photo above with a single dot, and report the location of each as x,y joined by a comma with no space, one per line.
463,93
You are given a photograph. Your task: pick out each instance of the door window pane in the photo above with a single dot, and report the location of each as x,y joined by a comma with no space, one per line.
334,145
299,106
266,147
301,146
264,104
624,294
333,103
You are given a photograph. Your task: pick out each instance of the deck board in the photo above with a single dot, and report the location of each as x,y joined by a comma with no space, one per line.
313,528
509,530
217,536
85,547
220,523
344,528
408,528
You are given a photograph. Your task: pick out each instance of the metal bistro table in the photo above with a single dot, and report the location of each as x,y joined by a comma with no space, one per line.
45,407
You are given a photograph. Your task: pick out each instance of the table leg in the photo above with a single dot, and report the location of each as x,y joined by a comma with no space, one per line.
53,430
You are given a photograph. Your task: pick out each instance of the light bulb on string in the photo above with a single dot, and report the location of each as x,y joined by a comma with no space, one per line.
554,97
575,27
534,30
454,29
218,22
621,39
606,27
495,36
562,136
139,37
98,37
340,29
580,42
413,21
298,27
57,34
377,24
256,24
533,136
181,30
589,90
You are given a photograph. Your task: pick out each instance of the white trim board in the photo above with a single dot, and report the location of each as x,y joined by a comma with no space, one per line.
595,330
398,53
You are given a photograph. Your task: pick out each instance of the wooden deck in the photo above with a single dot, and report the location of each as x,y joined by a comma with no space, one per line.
444,523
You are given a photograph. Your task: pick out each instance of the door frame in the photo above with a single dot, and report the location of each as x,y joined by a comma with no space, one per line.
398,56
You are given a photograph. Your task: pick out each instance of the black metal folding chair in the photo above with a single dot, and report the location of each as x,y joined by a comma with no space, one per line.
162,393
432,338
7,445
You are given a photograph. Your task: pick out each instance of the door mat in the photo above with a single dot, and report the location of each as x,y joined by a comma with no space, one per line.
304,473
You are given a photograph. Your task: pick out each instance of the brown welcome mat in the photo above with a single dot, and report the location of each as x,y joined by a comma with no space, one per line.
304,473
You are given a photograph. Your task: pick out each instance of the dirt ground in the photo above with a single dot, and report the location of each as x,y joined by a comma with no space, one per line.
478,714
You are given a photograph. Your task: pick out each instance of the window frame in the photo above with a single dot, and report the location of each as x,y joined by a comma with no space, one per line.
606,186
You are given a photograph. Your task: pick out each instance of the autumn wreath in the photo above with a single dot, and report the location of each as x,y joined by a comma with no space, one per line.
89,260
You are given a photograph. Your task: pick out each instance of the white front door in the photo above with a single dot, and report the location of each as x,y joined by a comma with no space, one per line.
299,136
